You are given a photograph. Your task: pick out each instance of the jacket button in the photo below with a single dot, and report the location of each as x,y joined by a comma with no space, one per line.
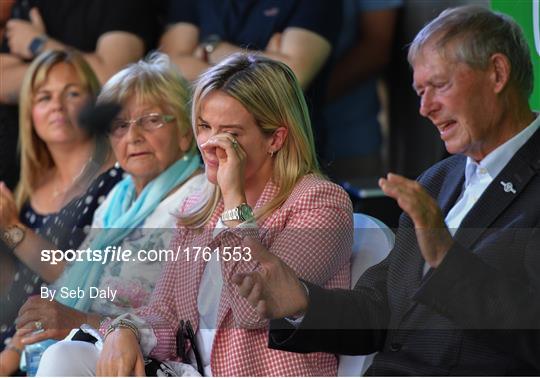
395,347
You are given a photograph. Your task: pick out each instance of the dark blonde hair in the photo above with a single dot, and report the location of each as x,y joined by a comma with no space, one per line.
269,90
36,159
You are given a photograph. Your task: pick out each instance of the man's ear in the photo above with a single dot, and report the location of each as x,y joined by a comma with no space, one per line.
500,75
277,139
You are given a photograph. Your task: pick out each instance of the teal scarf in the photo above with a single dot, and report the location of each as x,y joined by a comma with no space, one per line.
120,218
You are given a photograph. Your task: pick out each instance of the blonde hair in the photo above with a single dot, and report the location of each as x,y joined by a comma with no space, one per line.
269,90
153,80
36,159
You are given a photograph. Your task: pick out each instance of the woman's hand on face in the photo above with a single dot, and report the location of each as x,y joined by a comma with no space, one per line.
232,163
121,355
54,318
8,209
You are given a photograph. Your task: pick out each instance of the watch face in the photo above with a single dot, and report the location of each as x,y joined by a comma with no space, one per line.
16,234
245,212
13,236
36,45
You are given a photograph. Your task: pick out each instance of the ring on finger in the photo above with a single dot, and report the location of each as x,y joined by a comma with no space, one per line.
38,325
234,143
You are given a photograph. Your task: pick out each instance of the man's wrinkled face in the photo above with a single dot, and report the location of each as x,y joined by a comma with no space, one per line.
460,102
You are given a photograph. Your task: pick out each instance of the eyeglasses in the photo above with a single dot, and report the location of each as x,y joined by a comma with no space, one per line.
147,122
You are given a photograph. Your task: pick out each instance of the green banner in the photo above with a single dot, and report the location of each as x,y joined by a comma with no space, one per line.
527,14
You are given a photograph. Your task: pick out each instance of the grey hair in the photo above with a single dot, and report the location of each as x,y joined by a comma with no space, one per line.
153,80
475,34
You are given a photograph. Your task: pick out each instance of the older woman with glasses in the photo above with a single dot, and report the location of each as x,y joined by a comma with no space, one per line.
253,130
152,141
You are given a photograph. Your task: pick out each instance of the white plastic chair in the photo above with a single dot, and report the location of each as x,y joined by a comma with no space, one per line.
373,240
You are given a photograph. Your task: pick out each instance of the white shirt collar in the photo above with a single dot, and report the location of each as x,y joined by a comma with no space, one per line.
497,159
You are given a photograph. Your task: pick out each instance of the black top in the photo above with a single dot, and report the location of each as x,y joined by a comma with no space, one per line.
251,23
81,23
66,229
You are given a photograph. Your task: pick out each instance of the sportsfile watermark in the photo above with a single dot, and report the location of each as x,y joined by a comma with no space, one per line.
120,254
487,282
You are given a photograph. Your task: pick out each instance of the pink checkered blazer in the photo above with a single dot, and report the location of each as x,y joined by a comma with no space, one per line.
312,232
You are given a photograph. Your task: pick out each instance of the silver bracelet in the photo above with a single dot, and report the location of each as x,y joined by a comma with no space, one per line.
123,323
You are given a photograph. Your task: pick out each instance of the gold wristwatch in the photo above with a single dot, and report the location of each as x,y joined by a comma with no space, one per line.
13,235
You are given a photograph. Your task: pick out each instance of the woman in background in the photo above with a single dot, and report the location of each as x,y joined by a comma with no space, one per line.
58,192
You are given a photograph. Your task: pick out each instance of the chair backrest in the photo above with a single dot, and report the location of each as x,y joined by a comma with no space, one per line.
373,240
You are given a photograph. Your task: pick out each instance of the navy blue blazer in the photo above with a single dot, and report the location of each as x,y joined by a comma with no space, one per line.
478,313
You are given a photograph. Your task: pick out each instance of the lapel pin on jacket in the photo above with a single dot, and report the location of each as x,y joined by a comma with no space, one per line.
508,187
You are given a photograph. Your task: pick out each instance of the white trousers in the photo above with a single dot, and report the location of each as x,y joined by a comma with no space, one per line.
69,358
